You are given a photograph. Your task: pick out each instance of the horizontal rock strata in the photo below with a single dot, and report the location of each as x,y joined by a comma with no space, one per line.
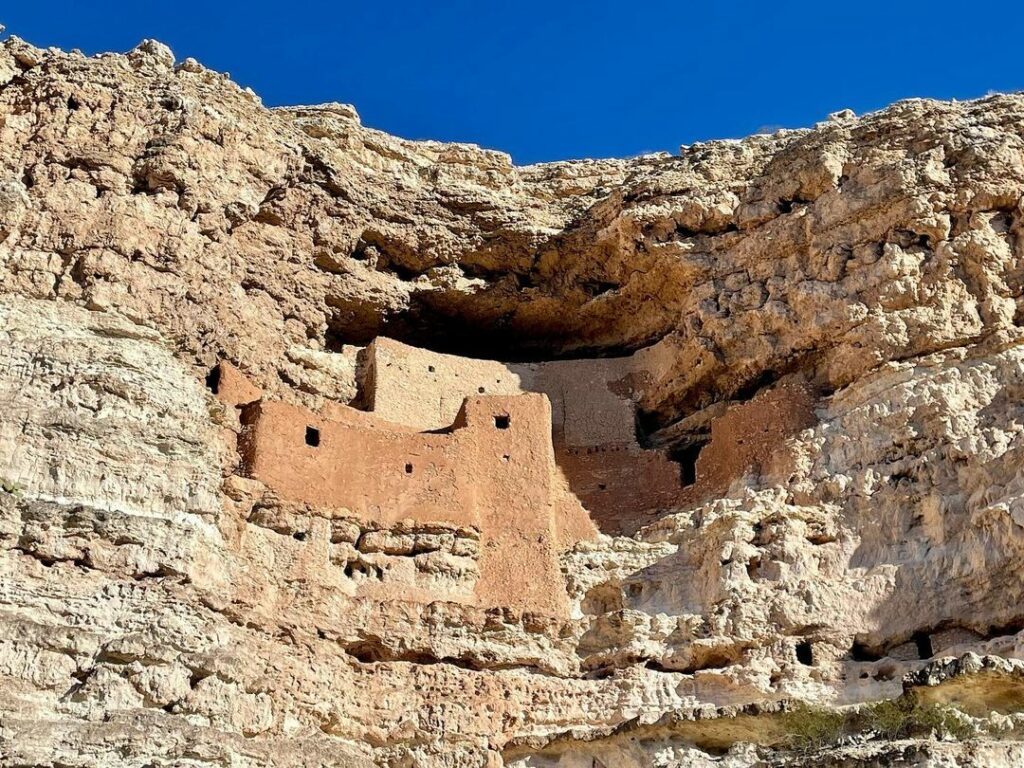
780,387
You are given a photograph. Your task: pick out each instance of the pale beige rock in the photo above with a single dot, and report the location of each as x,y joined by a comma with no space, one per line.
157,608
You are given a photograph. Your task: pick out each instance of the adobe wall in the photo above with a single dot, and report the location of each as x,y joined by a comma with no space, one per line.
423,389
593,417
591,400
626,488
493,471
599,463
618,484
750,434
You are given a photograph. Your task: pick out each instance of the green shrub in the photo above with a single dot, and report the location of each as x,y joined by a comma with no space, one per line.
906,718
812,728
809,729
9,486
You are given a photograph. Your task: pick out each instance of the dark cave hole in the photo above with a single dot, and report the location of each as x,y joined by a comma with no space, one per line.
312,437
924,645
787,205
805,653
763,380
213,380
860,652
487,335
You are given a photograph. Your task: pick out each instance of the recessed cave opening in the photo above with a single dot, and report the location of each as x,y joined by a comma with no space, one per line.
485,326
860,652
763,380
355,569
213,379
647,423
312,437
924,645
502,421
805,653
686,457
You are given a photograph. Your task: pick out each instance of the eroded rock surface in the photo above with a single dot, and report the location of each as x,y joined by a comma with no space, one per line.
817,330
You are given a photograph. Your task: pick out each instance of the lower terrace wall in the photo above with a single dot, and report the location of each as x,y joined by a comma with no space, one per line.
493,470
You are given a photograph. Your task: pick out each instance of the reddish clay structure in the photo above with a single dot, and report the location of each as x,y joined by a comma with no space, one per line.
493,470
617,484
593,424
500,465
231,386
748,435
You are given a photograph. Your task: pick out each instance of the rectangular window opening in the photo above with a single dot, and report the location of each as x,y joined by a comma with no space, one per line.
312,436
687,457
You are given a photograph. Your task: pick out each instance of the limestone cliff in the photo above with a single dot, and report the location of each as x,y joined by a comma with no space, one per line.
757,474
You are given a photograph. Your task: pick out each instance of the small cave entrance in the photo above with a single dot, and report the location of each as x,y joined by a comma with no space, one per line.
213,379
924,645
805,653
860,652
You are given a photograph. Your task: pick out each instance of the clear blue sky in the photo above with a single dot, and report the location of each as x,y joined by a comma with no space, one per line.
553,80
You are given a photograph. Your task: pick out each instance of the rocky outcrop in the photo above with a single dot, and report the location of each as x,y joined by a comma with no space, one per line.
821,329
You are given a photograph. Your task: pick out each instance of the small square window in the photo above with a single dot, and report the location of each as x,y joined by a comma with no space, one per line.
408,469
312,436
501,421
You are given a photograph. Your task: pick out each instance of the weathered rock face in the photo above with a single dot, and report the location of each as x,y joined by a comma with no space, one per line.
820,327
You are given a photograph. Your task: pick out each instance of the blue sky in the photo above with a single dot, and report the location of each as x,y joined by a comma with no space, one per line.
554,80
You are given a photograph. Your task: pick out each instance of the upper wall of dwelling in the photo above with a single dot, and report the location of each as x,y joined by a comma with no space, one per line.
591,400
424,389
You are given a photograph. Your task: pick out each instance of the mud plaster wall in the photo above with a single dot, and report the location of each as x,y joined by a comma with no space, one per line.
591,400
621,484
593,418
493,471
749,435
622,487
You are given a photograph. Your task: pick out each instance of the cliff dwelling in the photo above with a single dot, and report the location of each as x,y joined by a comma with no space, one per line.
535,456
326,447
